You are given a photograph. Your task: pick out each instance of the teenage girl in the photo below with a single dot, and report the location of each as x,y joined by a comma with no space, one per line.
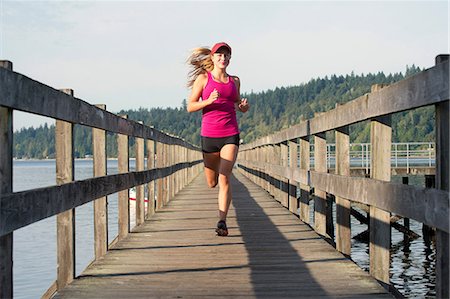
217,94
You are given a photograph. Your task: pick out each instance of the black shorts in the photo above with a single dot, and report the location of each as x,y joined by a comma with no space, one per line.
214,145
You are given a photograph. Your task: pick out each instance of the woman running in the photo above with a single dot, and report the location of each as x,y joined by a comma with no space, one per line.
216,93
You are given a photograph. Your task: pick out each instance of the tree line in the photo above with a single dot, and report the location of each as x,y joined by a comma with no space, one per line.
271,110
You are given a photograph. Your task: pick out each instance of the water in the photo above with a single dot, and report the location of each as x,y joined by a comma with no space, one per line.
412,265
34,247
413,262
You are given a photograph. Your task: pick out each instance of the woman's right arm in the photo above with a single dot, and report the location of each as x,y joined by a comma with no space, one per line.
194,103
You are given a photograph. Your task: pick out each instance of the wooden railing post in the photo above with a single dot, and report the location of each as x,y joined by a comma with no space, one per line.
442,182
140,204
124,195
151,184
304,189
380,225
100,204
320,165
6,153
284,182
66,220
343,206
165,158
159,182
292,185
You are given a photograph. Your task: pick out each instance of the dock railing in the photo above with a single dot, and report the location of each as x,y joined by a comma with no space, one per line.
171,164
267,161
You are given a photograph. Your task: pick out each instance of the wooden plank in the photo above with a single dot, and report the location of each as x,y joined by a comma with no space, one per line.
65,222
293,162
426,88
22,93
269,254
6,153
100,204
442,183
284,182
26,207
304,192
429,206
123,197
380,224
320,165
140,204
150,185
343,206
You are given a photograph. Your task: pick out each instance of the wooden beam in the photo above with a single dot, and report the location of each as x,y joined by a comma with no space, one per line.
380,220
65,222
320,165
100,204
151,185
140,204
124,196
22,208
305,189
6,152
292,185
442,183
343,206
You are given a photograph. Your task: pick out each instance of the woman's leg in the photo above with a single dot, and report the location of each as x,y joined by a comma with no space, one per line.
228,155
212,163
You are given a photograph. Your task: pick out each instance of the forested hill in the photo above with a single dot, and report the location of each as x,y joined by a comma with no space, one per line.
270,111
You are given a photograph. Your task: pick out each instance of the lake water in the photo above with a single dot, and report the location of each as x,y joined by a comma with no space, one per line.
412,272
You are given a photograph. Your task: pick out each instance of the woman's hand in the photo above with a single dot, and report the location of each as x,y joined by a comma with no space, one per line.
243,105
213,96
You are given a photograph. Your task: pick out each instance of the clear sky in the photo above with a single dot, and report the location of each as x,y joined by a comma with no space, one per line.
131,54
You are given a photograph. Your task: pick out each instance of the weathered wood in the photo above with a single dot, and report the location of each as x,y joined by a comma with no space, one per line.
22,208
429,206
426,88
140,204
380,228
284,182
100,204
159,182
124,196
293,163
343,206
22,93
269,254
151,185
6,152
304,188
442,183
320,165
65,222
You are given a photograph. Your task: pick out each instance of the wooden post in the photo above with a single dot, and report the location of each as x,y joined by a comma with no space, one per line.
6,153
380,224
442,182
140,204
304,189
343,206
292,185
405,181
100,204
124,195
320,165
151,184
159,182
66,220
165,158
284,199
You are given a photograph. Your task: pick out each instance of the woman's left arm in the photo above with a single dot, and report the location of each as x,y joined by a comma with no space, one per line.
240,104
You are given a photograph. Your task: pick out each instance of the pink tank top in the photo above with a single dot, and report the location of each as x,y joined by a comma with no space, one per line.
219,118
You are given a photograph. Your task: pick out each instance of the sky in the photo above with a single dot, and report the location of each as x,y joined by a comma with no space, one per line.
132,54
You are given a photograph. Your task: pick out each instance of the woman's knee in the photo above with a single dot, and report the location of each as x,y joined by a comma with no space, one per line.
224,179
212,182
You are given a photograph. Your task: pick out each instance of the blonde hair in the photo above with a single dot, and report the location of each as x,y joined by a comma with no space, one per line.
199,62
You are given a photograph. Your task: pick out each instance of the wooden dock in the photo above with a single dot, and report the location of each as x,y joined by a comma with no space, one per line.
269,253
